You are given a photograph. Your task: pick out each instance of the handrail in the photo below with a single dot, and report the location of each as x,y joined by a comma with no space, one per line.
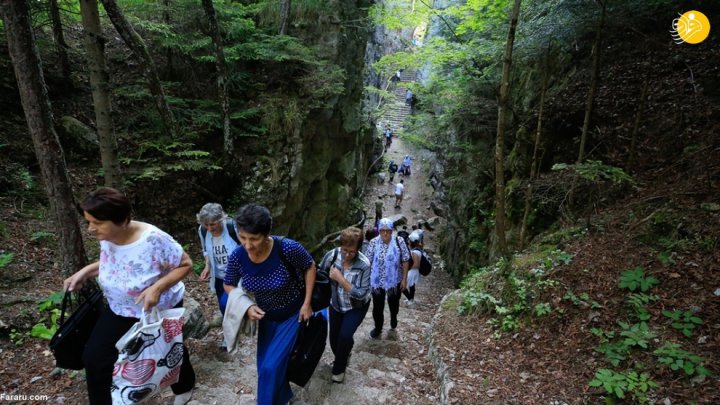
334,234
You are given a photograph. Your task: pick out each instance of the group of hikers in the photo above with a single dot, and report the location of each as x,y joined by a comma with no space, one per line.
404,170
142,267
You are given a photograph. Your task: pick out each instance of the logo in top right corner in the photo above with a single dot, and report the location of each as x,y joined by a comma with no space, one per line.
691,27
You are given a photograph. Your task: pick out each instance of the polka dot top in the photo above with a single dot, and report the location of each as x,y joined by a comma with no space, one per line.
278,291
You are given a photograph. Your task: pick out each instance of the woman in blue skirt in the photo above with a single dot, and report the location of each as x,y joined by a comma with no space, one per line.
281,274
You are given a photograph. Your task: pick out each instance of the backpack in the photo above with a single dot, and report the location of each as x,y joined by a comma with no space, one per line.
410,262
322,292
229,224
425,264
393,168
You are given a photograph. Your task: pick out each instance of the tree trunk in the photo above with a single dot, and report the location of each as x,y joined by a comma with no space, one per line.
38,113
169,55
99,83
590,97
60,44
593,84
221,68
500,139
636,125
284,16
136,44
534,163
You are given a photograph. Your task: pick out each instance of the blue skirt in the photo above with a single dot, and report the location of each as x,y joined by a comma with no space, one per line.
276,340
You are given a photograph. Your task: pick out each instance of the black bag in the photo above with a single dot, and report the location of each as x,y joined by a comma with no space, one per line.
321,291
71,337
425,264
309,347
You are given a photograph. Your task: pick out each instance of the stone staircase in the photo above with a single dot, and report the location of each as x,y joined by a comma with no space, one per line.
395,109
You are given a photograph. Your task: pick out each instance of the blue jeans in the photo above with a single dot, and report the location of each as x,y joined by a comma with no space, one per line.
342,329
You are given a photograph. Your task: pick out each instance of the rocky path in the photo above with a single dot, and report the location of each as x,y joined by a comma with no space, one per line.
393,369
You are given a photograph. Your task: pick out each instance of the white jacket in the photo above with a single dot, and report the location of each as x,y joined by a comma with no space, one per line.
235,321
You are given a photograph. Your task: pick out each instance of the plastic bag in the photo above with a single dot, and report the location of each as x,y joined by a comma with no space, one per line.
150,356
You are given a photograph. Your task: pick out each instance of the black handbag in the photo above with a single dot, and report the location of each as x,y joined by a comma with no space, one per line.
322,292
309,347
72,335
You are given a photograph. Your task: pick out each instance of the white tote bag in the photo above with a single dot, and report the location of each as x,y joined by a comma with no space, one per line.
150,356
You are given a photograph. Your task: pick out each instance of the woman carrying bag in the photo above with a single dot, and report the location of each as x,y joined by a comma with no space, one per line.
350,282
280,273
140,267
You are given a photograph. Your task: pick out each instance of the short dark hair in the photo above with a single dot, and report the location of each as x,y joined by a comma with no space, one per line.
254,218
351,236
107,204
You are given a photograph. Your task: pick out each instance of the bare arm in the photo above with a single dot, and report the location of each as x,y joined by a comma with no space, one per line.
151,295
306,310
76,281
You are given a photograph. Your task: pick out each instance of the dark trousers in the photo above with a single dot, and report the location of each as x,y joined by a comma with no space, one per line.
100,355
410,292
342,329
378,299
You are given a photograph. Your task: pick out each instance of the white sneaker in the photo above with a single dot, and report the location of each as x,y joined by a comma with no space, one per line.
182,399
338,378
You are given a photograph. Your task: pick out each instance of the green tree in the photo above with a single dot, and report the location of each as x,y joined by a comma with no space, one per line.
38,114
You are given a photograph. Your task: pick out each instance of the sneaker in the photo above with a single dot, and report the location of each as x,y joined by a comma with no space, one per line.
411,303
393,323
182,399
375,333
338,378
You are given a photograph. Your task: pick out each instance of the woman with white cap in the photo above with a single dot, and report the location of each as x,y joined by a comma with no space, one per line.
389,262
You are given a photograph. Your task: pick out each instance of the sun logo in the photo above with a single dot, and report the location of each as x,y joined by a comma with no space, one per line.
692,27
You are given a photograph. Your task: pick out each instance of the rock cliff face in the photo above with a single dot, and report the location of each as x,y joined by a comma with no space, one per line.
325,162
311,179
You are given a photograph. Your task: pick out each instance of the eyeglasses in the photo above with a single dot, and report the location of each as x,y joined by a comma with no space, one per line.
349,252
211,224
